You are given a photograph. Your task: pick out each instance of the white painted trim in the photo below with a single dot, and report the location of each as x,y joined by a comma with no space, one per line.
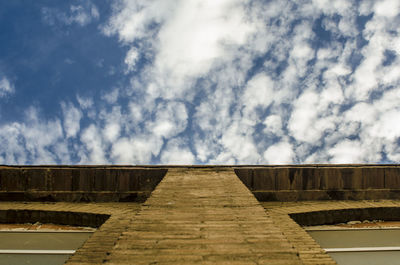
365,249
350,229
36,251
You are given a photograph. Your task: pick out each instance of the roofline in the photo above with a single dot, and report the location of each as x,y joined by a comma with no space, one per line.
203,166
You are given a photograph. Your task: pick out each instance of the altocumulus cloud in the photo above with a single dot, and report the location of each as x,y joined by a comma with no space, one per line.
81,13
230,82
6,87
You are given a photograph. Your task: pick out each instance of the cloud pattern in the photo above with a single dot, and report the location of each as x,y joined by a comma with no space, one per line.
6,87
82,13
232,82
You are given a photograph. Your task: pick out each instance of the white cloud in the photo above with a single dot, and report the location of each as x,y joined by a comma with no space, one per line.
387,8
303,123
94,145
177,153
111,97
387,126
72,118
347,152
230,82
131,59
81,14
112,131
131,19
113,121
361,112
137,150
332,7
258,92
170,120
273,124
280,153
13,144
202,26
6,87
32,141
366,7
192,37
238,141
84,102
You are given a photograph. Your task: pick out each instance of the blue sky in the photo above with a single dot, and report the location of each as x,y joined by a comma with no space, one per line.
199,82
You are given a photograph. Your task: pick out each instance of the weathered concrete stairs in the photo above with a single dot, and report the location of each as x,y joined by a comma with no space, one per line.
205,217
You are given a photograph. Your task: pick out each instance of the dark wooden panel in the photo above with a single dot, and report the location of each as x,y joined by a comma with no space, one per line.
373,178
392,178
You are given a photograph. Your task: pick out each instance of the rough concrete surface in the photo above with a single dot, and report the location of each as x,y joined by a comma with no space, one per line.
207,215
204,217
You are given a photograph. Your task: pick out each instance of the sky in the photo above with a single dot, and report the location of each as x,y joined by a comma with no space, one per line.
199,81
